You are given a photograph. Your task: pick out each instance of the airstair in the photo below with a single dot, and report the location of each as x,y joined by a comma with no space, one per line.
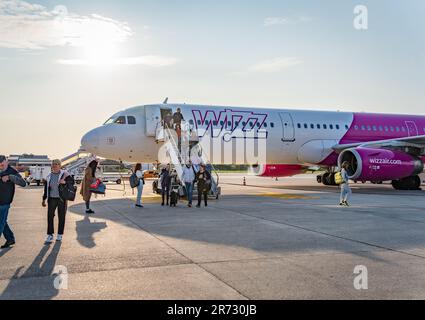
179,153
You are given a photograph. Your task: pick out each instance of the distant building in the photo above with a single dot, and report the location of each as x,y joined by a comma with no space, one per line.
24,161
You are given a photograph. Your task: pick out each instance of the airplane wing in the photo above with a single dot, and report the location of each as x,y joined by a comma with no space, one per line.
416,142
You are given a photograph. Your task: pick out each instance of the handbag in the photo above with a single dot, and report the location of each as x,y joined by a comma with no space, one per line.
181,191
68,191
98,187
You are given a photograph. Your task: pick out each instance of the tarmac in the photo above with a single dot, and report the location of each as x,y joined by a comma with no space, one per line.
285,239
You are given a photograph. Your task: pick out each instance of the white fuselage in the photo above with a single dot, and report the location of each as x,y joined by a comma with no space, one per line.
291,136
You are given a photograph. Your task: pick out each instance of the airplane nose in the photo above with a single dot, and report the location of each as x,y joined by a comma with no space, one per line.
90,141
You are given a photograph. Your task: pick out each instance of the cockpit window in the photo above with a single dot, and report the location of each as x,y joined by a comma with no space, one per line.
109,121
120,120
131,120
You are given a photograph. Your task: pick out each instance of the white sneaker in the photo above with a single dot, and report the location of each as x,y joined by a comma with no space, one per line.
59,237
49,239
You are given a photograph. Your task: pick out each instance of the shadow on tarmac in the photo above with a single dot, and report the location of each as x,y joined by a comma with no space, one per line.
86,229
43,267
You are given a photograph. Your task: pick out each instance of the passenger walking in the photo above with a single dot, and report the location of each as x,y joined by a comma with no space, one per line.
188,178
139,173
165,178
54,201
345,186
177,118
9,177
203,178
89,177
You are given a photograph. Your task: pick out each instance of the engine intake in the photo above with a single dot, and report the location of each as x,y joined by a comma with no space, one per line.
380,164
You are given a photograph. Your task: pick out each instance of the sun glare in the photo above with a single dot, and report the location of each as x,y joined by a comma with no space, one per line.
100,53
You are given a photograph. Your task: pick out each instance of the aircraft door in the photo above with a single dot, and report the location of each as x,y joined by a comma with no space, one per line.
288,134
153,117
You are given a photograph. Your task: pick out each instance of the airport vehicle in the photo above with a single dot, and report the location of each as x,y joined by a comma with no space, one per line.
379,147
38,174
150,174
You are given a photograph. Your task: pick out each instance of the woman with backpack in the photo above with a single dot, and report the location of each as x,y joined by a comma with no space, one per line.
89,177
55,202
203,179
345,187
140,176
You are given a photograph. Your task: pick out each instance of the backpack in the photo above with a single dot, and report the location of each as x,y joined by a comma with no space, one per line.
338,178
134,181
68,191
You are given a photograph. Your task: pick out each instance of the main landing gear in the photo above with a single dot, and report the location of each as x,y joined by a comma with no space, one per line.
328,179
409,183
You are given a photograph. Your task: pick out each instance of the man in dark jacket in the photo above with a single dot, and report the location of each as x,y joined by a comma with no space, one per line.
8,178
203,179
165,178
178,118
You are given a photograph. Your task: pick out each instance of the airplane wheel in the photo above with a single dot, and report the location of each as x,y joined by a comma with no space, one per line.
119,181
325,177
409,183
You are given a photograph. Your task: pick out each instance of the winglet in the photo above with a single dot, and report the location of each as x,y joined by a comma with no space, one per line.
165,101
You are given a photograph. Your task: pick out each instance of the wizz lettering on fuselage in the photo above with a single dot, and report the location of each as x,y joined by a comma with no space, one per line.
228,121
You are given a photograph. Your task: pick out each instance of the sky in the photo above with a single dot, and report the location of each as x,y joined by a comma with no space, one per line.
66,66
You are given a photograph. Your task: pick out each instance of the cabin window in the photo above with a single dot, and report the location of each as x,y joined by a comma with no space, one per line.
191,122
331,126
305,126
318,126
386,128
325,126
199,122
403,129
363,128
131,120
369,128
272,124
392,129
380,128
397,129
214,123
299,125
265,124
337,126
312,126
120,120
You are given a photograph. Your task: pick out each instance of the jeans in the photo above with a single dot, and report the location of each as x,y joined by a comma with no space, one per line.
52,205
345,192
4,226
189,191
139,193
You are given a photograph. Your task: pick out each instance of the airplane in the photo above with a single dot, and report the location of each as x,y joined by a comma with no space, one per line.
379,147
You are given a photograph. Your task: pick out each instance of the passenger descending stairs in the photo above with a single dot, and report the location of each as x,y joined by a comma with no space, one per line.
179,158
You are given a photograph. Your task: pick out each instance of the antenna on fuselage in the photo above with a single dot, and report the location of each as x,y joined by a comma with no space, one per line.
165,101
